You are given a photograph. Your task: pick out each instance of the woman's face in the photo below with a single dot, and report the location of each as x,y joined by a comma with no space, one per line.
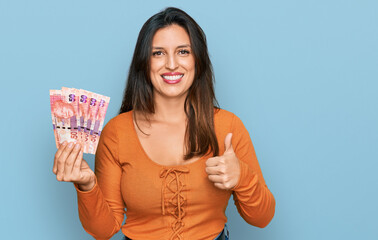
172,62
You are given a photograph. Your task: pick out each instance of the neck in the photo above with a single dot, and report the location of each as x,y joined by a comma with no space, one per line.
169,109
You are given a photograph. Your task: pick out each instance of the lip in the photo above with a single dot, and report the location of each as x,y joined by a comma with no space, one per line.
172,74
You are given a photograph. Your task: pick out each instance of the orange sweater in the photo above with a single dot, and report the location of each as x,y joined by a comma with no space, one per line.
169,202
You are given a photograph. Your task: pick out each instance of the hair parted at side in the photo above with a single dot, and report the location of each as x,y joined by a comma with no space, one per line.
200,102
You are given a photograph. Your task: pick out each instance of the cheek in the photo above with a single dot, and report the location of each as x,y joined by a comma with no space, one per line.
190,68
188,64
156,65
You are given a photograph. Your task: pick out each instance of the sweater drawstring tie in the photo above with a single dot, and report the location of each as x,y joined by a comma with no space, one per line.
173,183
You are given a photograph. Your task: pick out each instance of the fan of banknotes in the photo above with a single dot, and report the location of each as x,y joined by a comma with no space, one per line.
78,116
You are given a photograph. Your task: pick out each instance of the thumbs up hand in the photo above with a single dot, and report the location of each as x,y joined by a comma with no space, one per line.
224,171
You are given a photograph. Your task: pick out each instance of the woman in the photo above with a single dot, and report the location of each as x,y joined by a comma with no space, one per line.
171,157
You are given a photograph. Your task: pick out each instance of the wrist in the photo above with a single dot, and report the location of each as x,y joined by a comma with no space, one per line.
87,187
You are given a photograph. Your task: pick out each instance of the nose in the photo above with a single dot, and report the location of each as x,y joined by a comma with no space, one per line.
171,62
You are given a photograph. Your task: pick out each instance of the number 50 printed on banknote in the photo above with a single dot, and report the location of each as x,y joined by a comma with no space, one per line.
78,116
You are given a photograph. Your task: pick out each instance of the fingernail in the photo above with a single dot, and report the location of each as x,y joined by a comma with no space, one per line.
64,143
77,146
70,145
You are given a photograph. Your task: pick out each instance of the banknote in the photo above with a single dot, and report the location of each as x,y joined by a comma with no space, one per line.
71,101
55,96
78,115
98,121
92,112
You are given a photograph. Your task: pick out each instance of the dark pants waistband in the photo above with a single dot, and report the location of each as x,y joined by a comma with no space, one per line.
223,235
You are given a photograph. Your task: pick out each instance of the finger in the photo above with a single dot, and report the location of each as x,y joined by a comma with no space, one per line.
228,143
71,160
216,178
77,164
217,170
61,161
211,162
220,186
61,149
57,154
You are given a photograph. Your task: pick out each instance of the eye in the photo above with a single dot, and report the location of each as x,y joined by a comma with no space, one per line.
157,53
184,52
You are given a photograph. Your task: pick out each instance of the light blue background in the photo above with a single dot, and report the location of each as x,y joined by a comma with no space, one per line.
302,75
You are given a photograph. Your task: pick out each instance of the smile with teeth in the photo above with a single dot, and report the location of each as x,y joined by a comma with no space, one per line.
173,77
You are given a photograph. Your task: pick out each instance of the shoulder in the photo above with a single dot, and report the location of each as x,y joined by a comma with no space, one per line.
227,121
120,119
223,120
222,114
126,116
119,123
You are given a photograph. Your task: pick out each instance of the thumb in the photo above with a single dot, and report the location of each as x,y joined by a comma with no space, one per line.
227,143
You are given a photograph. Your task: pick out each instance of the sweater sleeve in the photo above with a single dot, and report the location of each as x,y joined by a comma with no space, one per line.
254,201
102,209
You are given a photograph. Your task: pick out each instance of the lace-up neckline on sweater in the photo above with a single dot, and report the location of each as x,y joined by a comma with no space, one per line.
174,183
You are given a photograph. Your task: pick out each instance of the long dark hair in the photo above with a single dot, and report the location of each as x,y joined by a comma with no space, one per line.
200,102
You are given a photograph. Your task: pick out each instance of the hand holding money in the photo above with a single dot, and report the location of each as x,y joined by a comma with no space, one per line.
69,166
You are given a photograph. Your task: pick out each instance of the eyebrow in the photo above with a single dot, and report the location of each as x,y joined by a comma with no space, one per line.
181,46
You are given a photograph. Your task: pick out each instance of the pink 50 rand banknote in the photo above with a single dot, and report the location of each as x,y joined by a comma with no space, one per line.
78,116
